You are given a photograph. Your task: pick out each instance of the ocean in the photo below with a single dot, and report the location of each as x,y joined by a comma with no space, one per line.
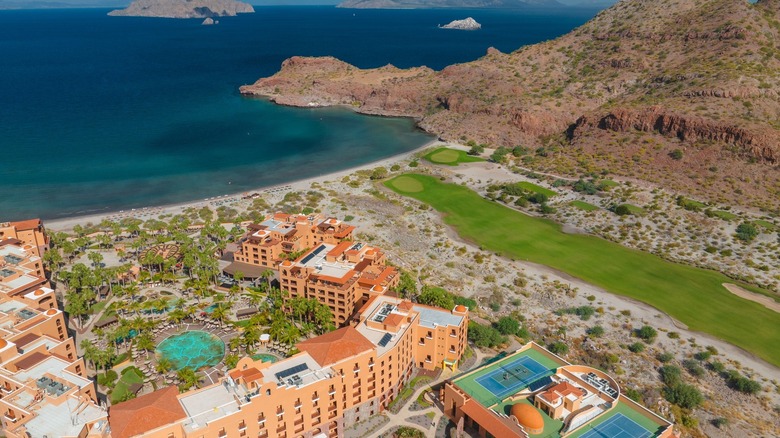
103,113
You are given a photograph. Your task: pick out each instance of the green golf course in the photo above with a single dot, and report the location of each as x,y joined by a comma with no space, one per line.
450,157
691,295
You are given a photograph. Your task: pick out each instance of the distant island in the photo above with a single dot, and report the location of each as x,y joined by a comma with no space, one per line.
428,4
184,9
465,24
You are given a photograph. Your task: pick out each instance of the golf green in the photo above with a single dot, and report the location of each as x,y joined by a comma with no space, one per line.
691,295
450,157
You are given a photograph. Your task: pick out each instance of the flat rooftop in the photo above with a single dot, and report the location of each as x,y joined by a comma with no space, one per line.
54,366
210,404
299,370
433,318
67,419
316,260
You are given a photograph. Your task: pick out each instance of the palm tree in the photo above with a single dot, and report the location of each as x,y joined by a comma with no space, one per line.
187,377
164,365
290,335
220,313
144,342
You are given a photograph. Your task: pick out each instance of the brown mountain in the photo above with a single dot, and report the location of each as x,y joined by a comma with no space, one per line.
617,95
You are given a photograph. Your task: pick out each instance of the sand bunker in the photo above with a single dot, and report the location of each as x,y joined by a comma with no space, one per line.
764,300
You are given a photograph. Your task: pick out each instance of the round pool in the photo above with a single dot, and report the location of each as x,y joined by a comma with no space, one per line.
195,349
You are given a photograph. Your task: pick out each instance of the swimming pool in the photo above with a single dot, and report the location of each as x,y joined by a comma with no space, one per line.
195,349
264,357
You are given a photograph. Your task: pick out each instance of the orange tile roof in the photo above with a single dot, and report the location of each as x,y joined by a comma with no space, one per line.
406,305
145,413
394,320
339,249
28,224
561,390
336,346
490,421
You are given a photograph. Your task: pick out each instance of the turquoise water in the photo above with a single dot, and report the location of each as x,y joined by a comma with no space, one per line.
103,113
265,357
195,349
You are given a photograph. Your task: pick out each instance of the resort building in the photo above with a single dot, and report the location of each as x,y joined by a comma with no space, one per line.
266,244
21,268
335,380
28,232
343,276
44,390
533,392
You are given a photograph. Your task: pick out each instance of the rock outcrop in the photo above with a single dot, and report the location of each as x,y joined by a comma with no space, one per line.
184,9
465,24
616,95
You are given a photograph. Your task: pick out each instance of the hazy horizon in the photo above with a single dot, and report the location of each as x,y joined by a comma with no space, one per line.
35,4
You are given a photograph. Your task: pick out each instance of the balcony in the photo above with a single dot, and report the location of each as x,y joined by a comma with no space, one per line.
242,426
332,415
11,419
298,422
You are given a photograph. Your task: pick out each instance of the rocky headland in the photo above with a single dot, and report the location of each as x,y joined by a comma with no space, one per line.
184,9
465,24
617,95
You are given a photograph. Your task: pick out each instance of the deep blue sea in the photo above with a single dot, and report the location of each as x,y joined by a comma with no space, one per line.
103,113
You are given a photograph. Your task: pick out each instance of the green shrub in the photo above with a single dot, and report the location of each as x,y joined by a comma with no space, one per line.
716,366
670,375
746,232
676,154
636,347
683,395
720,422
558,348
485,336
596,331
507,326
741,383
665,357
584,312
647,334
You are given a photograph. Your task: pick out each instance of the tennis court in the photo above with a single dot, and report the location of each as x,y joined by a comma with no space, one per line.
619,426
509,378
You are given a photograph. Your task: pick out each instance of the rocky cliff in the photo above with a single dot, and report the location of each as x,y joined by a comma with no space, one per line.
184,8
618,94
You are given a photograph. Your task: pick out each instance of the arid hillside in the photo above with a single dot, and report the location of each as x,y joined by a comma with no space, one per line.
617,95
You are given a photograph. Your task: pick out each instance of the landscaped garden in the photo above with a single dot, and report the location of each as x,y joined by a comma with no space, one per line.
691,295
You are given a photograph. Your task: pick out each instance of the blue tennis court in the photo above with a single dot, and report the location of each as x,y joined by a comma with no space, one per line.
619,426
511,377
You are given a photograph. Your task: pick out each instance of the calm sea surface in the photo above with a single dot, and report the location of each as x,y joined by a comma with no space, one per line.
103,113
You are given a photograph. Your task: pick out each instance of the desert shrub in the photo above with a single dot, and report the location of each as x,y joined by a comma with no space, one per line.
636,347
683,395
596,331
665,357
647,334
558,348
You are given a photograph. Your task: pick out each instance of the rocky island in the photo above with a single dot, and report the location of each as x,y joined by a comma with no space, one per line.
466,24
184,9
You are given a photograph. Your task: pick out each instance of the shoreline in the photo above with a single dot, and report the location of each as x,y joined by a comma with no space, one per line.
150,212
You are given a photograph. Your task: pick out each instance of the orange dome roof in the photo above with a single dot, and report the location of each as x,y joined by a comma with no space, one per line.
3,343
51,312
461,308
527,416
39,292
